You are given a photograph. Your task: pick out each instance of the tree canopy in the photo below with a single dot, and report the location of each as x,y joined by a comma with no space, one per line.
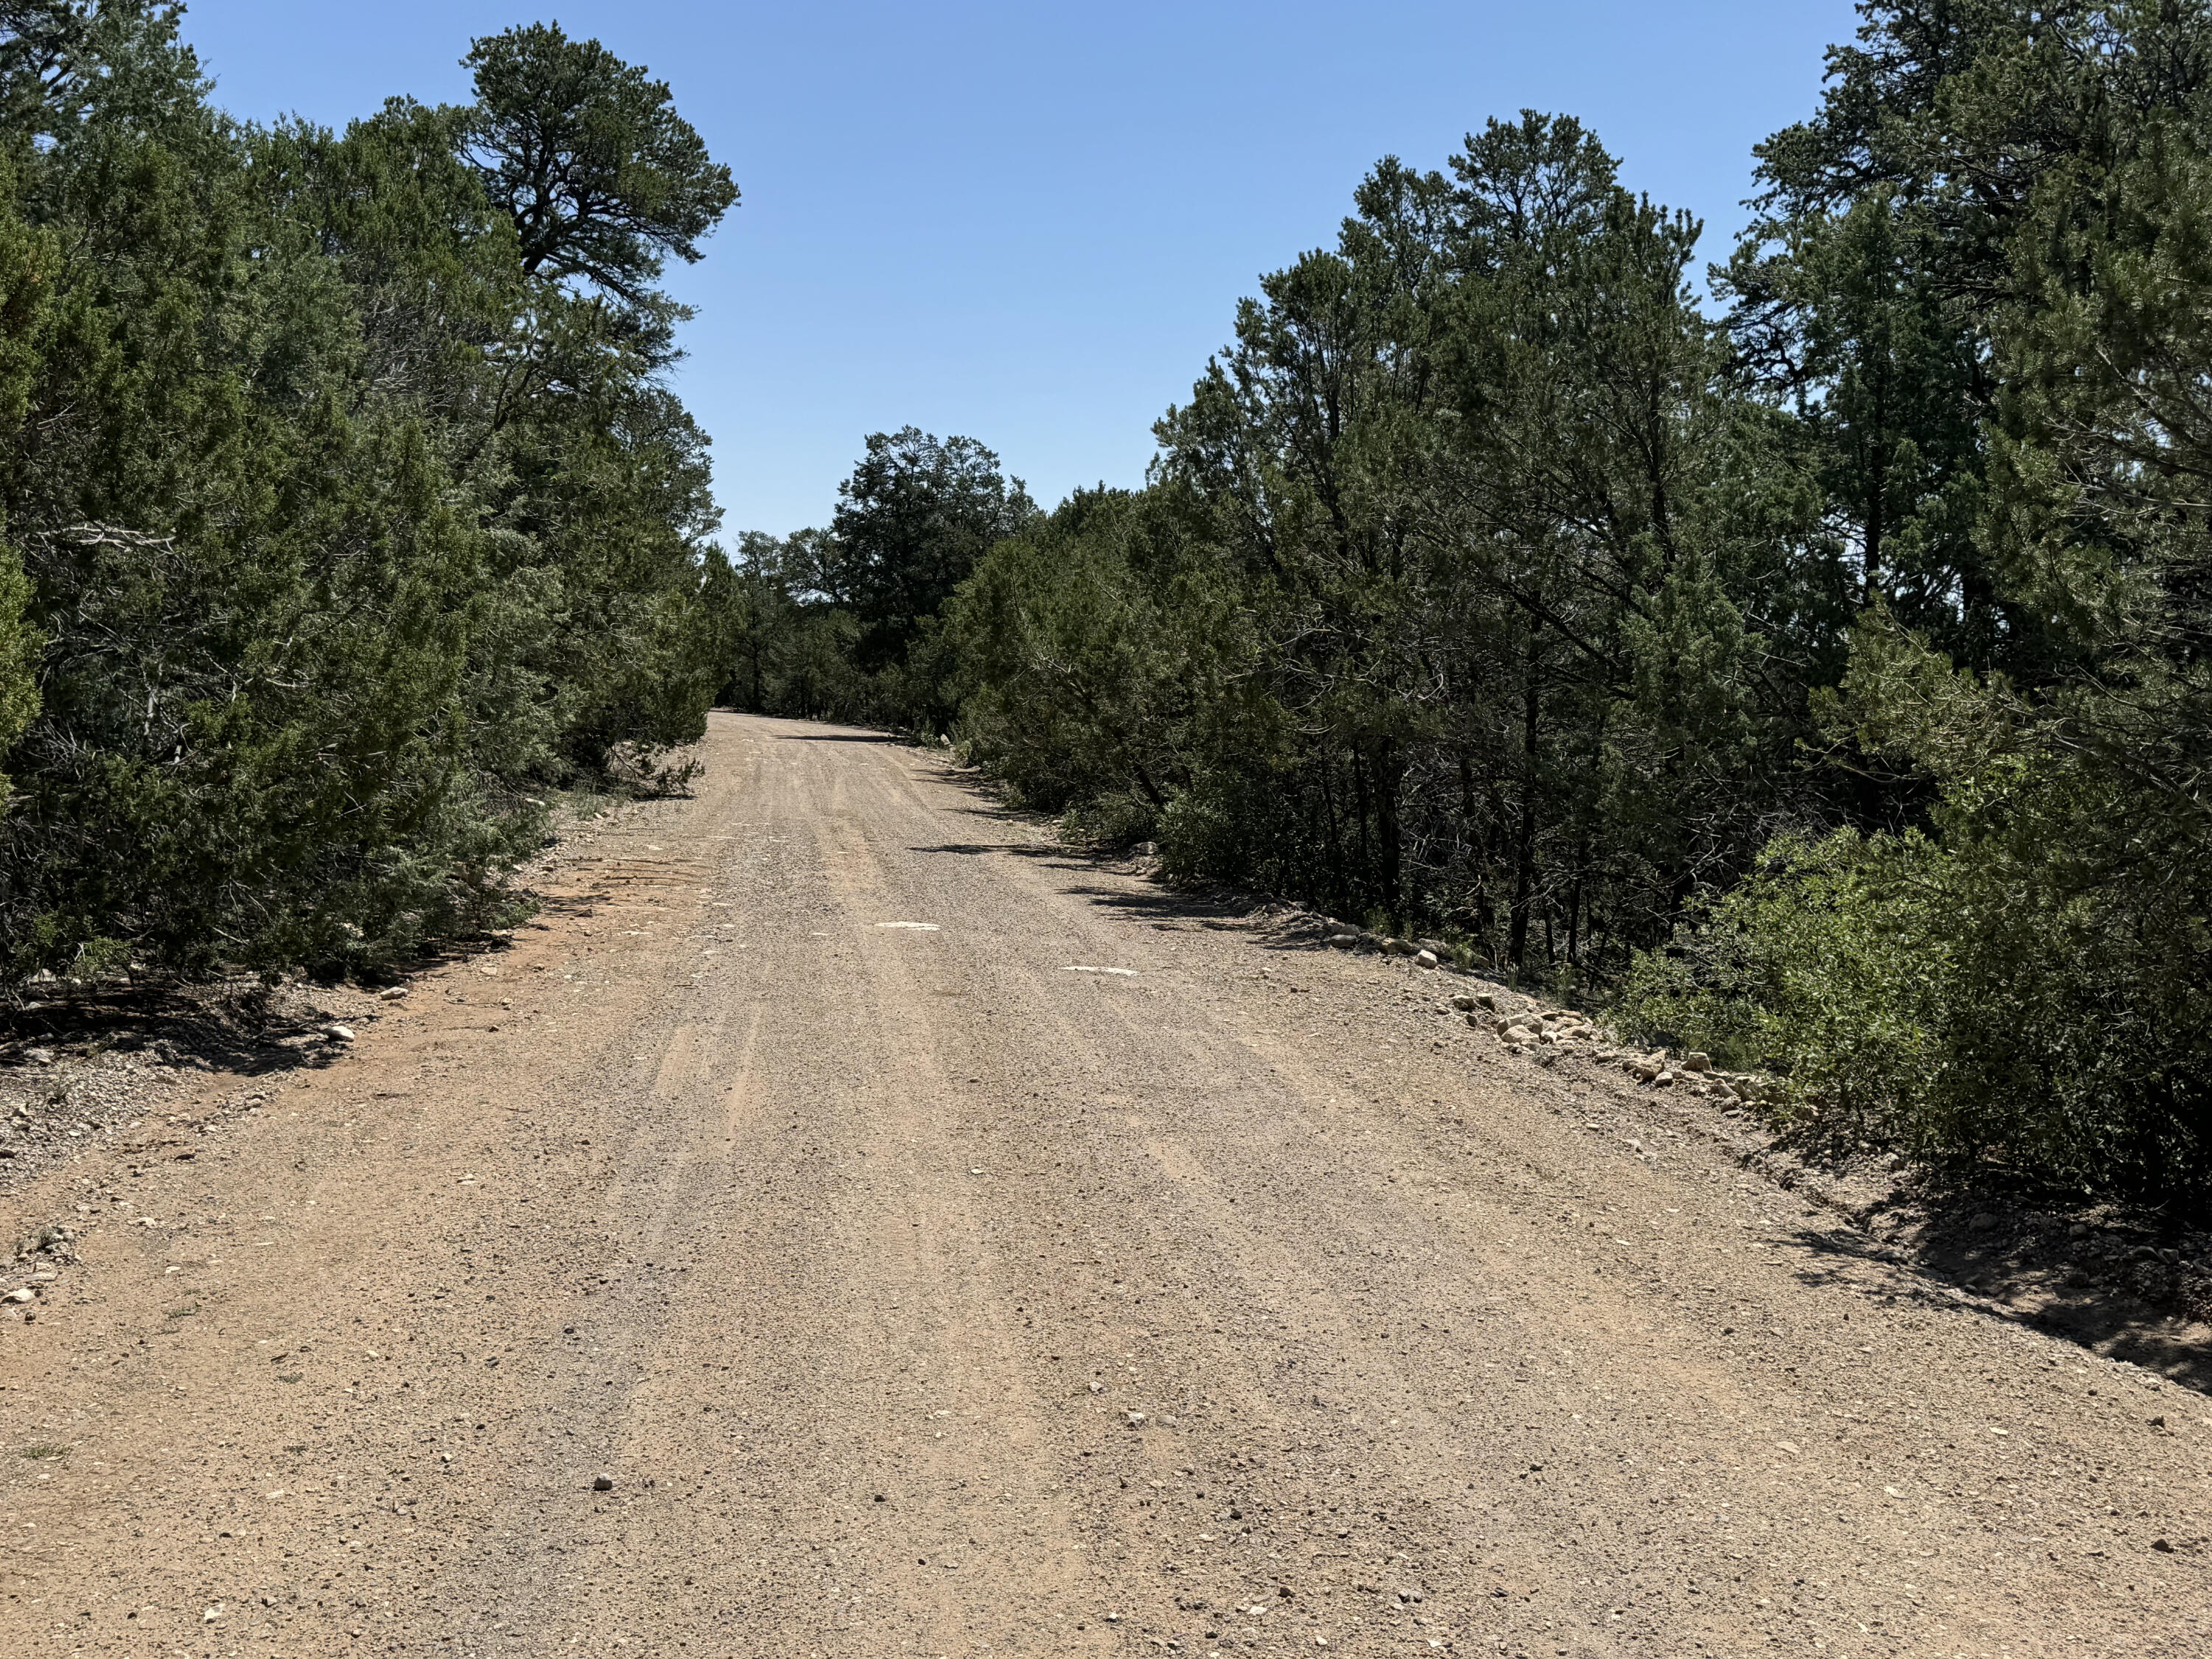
587,156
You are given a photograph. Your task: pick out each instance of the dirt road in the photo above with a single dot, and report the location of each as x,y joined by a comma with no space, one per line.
941,1245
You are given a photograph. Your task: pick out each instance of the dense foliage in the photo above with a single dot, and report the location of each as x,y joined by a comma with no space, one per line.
1985,287
1826,679
845,622
346,512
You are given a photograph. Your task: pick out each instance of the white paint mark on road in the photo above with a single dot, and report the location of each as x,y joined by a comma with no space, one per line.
1078,967
918,927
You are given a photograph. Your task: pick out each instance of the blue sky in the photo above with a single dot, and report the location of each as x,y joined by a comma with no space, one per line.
1031,223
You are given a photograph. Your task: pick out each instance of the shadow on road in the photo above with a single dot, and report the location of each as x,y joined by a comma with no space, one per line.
2028,1269
977,848
1163,907
206,1027
235,1024
1273,926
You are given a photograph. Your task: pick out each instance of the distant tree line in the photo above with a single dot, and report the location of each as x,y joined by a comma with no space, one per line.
1826,679
345,513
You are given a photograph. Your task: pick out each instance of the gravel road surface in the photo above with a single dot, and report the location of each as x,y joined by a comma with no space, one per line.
849,1223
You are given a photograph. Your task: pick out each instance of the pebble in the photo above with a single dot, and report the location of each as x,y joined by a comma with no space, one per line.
603,1483
338,1033
22,1295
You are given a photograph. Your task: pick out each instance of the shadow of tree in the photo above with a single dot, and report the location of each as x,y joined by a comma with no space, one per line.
1166,906
228,1025
213,1028
2025,1270
977,848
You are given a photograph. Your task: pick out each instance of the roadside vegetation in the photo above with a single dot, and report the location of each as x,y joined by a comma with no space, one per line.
1817,671
345,513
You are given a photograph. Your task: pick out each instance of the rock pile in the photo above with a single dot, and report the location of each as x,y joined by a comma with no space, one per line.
1525,1026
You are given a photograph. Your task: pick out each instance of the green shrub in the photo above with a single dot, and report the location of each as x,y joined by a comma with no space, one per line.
1821,969
340,523
2006,997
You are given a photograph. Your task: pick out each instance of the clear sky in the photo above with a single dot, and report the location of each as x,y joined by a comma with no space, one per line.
1031,223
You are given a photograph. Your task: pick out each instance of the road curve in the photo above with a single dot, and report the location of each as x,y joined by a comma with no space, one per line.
936,1244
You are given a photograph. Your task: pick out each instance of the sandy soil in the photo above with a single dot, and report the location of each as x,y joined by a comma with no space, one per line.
918,1287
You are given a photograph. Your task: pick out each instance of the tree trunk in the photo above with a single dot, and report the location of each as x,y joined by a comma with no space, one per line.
1524,858
1360,807
1476,862
1575,913
1339,896
1387,827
